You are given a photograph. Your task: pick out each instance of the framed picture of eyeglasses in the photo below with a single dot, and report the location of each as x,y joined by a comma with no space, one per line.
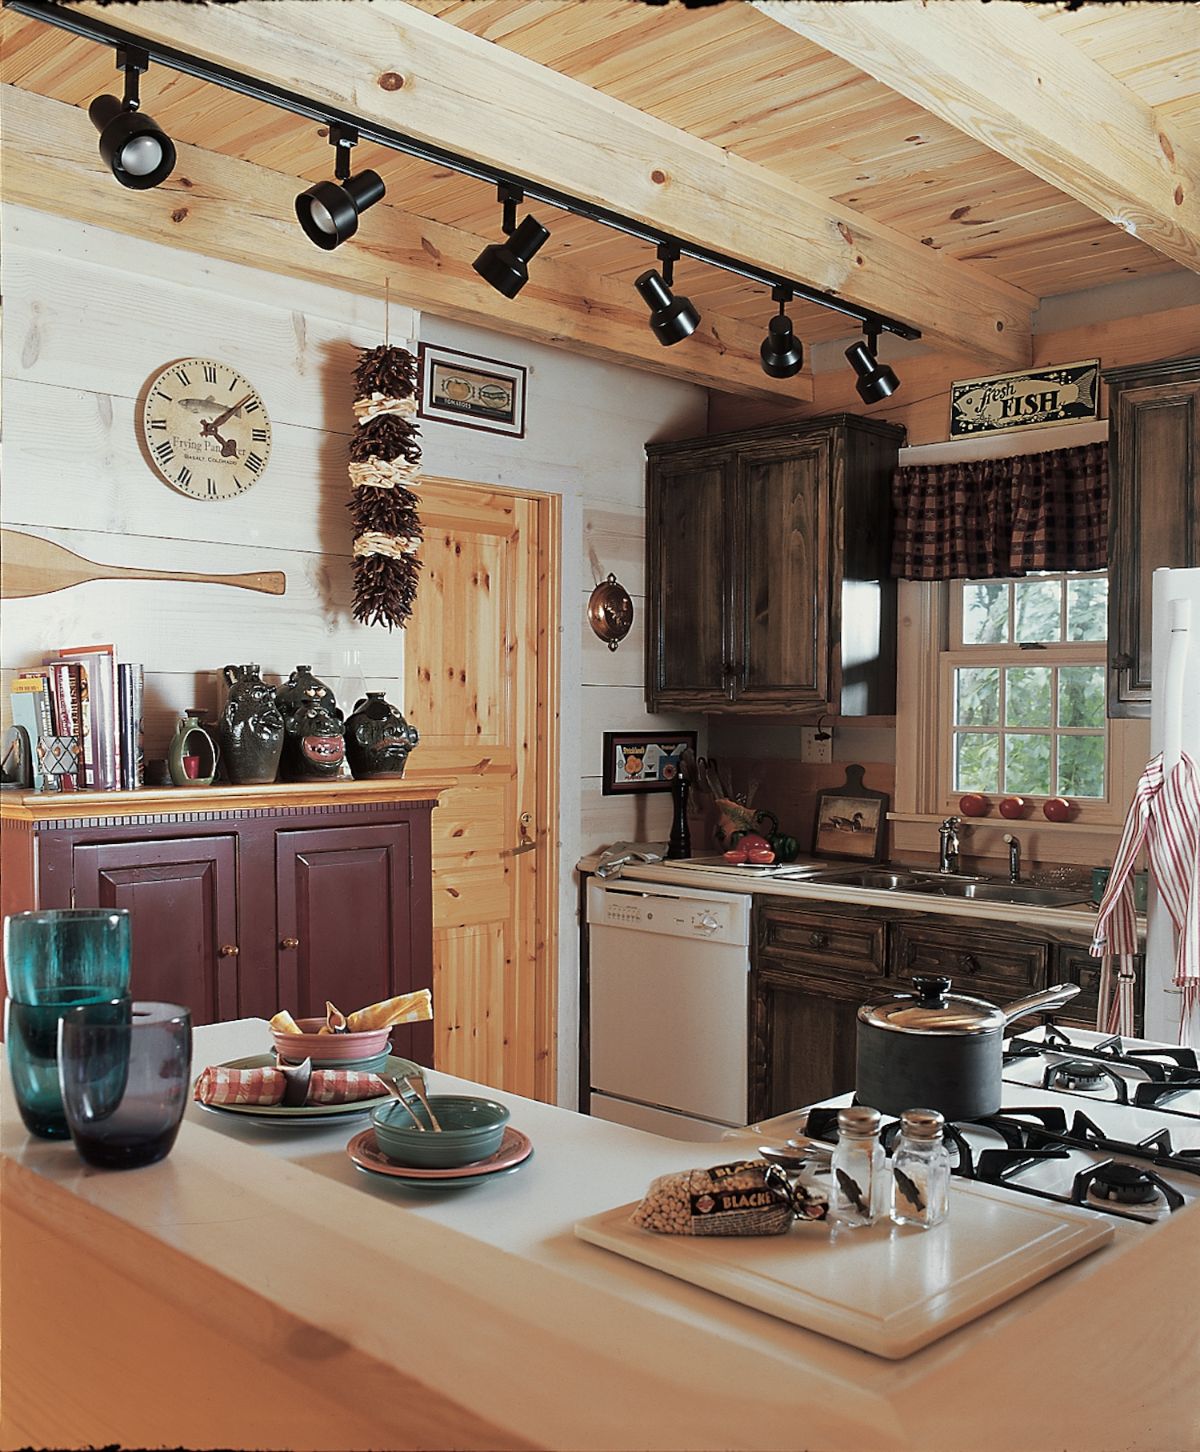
475,393
643,761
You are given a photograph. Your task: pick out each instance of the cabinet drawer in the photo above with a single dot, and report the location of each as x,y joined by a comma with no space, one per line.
1076,965
837,945
972,959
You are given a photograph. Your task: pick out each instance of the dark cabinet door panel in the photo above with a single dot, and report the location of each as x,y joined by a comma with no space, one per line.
830,942
1154,514
181,895
783,590
691,653
344,922
804,1035
1076,965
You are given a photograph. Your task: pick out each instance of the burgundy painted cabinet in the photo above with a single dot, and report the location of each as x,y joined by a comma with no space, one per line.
245,900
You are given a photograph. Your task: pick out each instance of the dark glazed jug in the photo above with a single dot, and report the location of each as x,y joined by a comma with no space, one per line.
313,749
251,728
378,738
303,689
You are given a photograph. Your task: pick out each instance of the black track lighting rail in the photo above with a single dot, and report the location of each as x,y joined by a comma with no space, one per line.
258,90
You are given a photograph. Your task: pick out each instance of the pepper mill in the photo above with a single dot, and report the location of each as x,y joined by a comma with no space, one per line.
680,844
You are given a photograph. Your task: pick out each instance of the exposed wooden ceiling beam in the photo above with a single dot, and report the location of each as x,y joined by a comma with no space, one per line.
227,208
399,67
1018,86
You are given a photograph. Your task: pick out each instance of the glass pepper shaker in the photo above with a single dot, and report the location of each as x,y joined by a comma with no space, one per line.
920,1170
859,1178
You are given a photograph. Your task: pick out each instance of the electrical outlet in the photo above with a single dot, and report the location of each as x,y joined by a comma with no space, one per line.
816,744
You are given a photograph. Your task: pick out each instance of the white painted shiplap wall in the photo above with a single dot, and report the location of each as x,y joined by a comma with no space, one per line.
91,315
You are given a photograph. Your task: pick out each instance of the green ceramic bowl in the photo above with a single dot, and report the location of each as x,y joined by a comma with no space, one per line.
373,1065
471,1130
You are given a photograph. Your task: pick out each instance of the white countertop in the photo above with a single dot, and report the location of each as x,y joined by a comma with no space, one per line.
486,1299
1076,918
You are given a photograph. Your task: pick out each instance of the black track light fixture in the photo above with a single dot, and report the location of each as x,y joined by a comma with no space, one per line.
876,381
329,211
505,265
671,318
135,149
781,353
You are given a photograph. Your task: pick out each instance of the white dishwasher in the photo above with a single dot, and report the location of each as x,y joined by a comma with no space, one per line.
668,999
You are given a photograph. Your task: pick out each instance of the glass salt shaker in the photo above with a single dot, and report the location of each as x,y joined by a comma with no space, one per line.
920,1170
859,1178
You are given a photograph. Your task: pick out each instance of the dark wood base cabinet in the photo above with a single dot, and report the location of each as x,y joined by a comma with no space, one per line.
245,900
814,966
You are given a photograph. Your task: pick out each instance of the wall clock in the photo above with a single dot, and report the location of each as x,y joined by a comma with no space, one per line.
205,429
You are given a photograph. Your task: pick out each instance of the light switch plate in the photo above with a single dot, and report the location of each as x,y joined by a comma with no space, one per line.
812,747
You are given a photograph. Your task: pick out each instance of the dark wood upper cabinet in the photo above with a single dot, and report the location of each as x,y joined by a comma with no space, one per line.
768,553
1154,513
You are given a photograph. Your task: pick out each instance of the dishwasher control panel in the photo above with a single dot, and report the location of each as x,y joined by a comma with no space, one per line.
710,917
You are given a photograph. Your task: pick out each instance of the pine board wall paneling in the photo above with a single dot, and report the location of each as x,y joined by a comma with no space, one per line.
92,315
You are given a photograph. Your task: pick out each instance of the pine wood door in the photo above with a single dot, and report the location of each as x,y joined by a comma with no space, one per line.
480,686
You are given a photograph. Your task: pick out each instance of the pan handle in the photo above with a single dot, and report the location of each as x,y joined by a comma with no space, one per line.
1039,1002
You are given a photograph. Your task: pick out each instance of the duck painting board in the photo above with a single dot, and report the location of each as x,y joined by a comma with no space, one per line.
849,820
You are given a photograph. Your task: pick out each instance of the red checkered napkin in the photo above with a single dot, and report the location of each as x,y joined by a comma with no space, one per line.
219,1085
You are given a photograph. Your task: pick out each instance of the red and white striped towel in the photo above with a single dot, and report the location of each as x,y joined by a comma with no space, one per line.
219,1085
1164,817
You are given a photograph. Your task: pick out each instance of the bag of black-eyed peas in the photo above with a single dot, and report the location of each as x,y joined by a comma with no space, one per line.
747,1197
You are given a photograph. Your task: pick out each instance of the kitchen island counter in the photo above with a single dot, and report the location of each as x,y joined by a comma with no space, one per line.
254,1289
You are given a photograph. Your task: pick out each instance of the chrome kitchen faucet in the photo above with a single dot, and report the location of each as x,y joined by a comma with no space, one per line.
948,845
1014,857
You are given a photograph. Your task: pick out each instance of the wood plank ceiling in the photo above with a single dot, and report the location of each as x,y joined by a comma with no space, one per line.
735,77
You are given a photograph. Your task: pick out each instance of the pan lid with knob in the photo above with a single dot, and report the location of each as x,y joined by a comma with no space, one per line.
933,1009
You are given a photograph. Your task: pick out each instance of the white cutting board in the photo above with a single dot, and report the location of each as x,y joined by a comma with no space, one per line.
888,1289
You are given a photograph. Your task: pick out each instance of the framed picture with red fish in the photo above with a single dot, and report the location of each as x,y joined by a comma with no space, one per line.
643,761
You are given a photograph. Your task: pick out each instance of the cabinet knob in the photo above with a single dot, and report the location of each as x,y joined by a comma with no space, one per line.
1121,662
229,950
819,940
968,962
289,942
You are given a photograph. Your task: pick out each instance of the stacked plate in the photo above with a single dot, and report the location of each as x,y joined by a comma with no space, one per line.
515,1149
310,1116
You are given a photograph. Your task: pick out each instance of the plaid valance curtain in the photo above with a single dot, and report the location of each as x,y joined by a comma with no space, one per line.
994,517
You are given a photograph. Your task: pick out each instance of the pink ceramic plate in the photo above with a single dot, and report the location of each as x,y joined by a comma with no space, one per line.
514,1149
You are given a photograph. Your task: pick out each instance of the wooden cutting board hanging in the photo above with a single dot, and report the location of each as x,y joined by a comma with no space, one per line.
30,565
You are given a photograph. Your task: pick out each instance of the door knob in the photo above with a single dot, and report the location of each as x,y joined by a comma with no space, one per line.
527,843
289,942
229,950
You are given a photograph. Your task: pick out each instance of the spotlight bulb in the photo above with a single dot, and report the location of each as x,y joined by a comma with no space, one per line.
504,265
876,381
671,318
329,211
133,147
781,354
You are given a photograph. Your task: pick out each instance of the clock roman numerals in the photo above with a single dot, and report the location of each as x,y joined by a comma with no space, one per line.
197,430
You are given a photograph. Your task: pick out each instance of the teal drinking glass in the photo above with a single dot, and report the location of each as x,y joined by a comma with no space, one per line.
53,954
31,1042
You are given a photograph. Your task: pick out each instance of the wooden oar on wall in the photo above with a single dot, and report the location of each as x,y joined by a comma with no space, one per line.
30,565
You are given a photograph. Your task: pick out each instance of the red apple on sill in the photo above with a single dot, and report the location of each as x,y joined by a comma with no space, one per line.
1057,809
974,804
1013,807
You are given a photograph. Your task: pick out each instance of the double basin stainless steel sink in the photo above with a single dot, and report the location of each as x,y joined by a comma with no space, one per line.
935,884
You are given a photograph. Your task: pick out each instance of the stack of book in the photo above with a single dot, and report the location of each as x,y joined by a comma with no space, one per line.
86,697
